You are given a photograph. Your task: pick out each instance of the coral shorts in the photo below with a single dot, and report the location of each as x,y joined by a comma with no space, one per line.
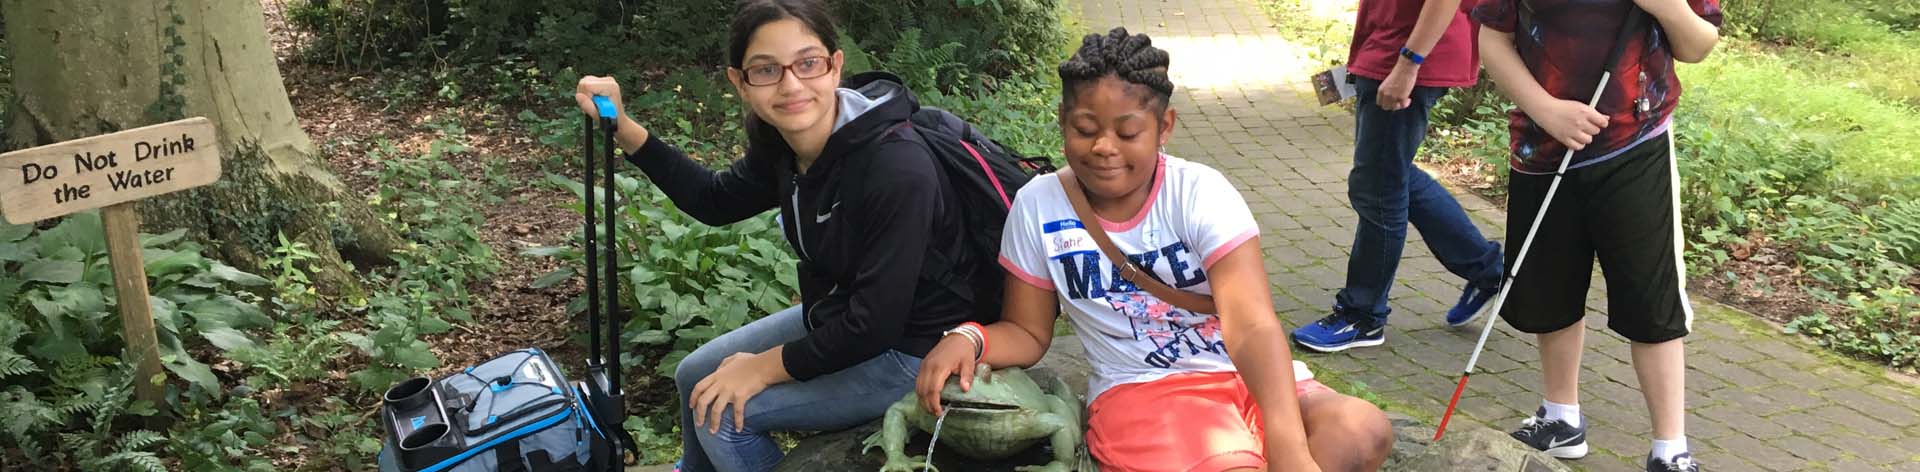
1200,422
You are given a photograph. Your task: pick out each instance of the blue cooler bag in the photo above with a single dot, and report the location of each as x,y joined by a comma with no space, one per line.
513,412
517,412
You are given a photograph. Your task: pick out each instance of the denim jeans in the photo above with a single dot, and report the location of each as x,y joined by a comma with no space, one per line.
1388,191
840,400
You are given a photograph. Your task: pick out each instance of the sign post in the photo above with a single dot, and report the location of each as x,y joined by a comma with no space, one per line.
113,172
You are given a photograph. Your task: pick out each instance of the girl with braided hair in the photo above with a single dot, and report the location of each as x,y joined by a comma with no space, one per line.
1172,389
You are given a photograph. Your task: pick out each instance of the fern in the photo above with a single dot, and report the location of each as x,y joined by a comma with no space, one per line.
14,364
83,445
22,415
139,460
924,67
130,453
140,439
90,447
63,383
30,447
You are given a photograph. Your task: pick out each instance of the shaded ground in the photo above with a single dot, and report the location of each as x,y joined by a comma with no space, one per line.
351,116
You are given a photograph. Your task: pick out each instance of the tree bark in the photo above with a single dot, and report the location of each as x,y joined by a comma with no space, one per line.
87,67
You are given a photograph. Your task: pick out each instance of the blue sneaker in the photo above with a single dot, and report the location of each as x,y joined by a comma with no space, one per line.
1339,332
1472,301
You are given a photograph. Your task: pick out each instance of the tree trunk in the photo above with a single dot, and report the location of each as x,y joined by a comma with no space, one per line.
87,67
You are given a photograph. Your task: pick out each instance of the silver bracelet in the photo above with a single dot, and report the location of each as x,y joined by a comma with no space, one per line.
971,334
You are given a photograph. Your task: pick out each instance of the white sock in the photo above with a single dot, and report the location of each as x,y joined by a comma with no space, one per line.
1567,413
1665,449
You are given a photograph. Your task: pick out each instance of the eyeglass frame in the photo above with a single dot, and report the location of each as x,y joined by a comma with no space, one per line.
746,77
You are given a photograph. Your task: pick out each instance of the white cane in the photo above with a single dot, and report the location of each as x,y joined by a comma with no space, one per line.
1635,19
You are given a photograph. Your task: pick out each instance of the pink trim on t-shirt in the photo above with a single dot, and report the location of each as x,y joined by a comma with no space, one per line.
1207,264
1159,180
1021,274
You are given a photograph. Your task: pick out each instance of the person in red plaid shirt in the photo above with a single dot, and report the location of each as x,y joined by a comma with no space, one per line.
1618,202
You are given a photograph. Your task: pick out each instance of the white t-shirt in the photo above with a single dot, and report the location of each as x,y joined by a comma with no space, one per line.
1193,218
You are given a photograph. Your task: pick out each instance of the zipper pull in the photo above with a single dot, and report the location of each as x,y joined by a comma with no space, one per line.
1641,105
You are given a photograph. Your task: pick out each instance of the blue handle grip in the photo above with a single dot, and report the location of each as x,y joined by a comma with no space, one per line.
604,105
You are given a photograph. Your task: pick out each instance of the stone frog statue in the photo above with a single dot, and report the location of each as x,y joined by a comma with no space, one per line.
1004,414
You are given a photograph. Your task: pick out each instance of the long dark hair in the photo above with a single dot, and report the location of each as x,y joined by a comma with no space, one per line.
748,17
1131,57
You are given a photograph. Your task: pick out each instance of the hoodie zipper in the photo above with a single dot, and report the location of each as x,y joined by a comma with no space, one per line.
800,244
799,235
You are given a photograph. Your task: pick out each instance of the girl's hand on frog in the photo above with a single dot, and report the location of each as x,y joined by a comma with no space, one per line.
954,355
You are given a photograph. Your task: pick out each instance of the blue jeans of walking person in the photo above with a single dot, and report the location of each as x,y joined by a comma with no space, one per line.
840,400
1388,192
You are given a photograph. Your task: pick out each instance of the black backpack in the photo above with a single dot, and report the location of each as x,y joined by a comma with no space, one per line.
982,177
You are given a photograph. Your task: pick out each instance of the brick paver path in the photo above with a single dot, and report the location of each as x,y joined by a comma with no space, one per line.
1758,400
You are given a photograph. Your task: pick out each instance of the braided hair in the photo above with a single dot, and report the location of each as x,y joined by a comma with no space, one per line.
1130,57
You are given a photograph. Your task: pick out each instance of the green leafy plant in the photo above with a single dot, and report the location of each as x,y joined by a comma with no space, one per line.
339,431
997,38
99,447
1841,245
1324,33
430,202
64,282
290,282
1882,326
222,436
685,283
288,355
60,340
657,444
925,68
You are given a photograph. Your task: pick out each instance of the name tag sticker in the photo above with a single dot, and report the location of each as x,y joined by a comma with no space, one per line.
1069,242
1062,225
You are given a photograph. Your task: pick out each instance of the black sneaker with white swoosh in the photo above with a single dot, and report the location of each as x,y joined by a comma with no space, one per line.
1680,463
1555,437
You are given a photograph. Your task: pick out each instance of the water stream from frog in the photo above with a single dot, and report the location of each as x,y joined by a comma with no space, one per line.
936,434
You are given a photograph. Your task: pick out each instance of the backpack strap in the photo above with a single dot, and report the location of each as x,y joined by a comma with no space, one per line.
1189,301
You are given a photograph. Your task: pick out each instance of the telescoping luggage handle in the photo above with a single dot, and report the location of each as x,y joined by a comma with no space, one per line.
603,281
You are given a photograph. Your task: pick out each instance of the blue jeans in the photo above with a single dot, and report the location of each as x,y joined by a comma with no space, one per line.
1388,192
840,400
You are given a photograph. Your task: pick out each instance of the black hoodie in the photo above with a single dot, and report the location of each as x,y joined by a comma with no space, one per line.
865,219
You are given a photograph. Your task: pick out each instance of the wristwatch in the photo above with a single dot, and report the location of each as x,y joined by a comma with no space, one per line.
1412,56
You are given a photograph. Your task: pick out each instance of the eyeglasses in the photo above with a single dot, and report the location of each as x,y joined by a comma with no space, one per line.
762,75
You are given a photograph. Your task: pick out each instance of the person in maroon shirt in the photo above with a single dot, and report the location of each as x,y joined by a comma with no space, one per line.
1405,55
1618,200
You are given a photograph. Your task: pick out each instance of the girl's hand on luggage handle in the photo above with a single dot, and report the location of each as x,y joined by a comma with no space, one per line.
628,134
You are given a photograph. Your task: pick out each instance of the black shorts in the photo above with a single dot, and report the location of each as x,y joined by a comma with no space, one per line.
1623,211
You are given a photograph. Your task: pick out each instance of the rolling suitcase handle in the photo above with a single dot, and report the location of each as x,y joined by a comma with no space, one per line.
603,285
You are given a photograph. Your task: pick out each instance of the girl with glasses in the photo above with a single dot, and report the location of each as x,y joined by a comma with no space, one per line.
862,204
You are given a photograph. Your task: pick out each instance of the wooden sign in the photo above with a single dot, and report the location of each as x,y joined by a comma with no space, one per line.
94,172
110,172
